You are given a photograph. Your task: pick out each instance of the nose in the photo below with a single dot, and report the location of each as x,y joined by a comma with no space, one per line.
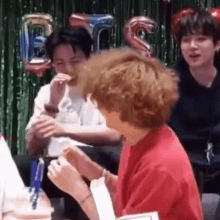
193,44
69,69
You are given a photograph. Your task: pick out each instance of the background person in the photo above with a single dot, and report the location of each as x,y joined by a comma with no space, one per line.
62,116
196,117
11,183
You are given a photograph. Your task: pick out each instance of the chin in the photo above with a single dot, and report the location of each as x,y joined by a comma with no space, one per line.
195,65
73,82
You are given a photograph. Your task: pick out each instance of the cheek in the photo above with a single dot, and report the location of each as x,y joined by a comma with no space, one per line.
58,68
209,52
184,54
183,49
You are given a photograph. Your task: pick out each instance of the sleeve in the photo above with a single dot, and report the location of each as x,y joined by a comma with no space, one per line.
146,189
13,183
91,114
43,97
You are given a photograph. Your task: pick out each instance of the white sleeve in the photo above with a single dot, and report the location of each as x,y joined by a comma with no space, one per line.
11,183
91,115
42,98
102,120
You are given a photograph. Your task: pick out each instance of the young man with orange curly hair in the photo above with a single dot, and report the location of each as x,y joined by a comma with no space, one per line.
136,95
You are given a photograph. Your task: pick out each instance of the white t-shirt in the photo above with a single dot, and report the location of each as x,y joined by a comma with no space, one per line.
10,181
73,109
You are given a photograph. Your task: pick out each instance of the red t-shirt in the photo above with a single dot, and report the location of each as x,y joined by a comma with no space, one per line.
156,175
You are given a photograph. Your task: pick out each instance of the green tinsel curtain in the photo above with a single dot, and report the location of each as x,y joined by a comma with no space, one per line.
18,89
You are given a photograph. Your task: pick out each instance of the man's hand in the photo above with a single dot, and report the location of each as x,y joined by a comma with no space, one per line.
58,88
85,166
66,177
46,127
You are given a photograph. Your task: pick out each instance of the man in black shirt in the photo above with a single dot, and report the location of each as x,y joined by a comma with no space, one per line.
196,117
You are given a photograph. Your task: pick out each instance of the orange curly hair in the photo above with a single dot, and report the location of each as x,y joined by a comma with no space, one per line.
143,90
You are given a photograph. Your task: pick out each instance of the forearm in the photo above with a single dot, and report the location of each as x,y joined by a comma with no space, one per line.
87,204
96,171
93,135
7,215
35,145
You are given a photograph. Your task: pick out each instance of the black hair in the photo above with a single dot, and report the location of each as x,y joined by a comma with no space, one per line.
74,36
200,22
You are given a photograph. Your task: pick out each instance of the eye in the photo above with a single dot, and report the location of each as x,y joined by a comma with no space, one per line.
60,63
74,62
185,39
201,39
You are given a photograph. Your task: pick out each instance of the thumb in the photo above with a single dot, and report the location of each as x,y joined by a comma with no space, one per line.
62,161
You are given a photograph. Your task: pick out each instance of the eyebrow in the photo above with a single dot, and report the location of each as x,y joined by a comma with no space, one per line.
58,59
73,58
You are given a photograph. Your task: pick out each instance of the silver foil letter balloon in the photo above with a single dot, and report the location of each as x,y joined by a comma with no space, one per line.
95,24
132,30
35,28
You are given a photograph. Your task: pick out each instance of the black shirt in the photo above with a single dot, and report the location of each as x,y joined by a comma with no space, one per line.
196,118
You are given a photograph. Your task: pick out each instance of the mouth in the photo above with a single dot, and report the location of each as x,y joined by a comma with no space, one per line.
194,55
73,81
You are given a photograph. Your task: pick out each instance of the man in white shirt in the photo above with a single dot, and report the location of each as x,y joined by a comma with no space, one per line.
10,181
62,116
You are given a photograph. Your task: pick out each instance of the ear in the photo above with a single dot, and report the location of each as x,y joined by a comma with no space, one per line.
217,46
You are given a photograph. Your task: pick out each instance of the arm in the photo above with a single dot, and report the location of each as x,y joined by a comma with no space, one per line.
96,171
7,216
46,127
87,203
93,135
35,144
68,179
88,168
12,182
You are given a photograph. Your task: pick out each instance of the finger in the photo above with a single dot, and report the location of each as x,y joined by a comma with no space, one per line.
56,167
48,134
49,175
63,161
44,121
61,80
43,118
45,132
63,76
51,171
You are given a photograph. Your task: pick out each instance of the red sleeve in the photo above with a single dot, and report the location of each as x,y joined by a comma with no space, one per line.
151,190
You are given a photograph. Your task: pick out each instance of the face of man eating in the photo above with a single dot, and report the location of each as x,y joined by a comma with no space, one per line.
65,59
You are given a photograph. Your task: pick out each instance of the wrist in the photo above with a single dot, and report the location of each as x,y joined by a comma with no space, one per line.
95,171
53,103
51,108
80,195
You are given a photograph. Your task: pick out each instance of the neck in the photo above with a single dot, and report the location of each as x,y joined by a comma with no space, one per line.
134,135
204,75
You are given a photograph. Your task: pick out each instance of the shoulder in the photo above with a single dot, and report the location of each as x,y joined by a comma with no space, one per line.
44,89
167,153
91,113
43,94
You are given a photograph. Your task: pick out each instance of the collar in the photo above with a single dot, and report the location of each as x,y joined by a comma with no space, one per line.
188,81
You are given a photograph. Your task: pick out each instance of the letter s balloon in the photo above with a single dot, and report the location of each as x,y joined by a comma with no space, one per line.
131,32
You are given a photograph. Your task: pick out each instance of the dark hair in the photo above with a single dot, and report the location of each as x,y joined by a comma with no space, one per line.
74,36
200,22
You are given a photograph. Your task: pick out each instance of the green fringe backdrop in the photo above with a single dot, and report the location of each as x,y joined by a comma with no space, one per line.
18,89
